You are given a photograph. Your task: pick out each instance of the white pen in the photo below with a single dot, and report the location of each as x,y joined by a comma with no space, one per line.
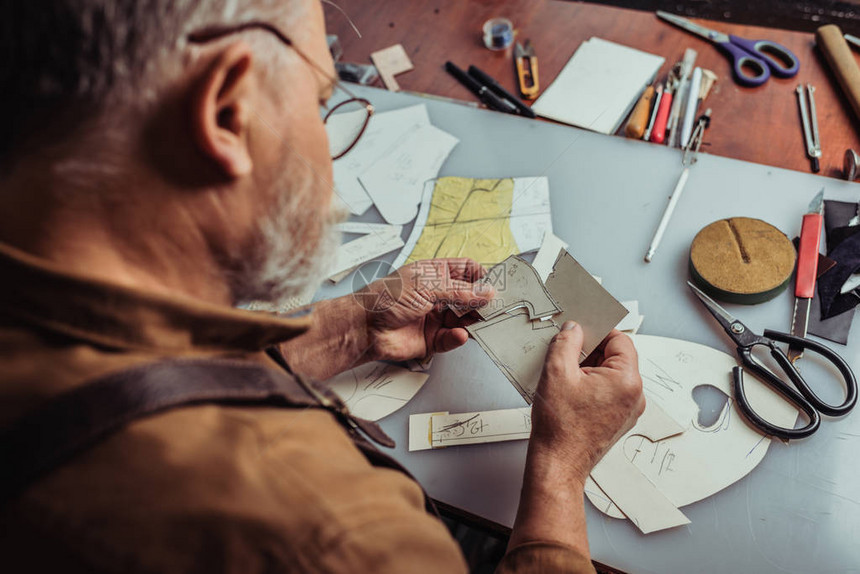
691,109
667,215
691,152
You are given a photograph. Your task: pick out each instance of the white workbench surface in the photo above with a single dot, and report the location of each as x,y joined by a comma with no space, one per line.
799,510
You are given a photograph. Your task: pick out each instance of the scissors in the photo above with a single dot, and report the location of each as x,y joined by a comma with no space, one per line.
762,57
805,400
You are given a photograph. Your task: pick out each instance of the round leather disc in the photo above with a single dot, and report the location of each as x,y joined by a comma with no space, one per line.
742,260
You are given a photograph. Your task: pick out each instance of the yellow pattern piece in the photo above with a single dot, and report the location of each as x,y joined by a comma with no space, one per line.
468,218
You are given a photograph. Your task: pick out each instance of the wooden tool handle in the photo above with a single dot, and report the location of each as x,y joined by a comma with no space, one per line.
840,59
641,114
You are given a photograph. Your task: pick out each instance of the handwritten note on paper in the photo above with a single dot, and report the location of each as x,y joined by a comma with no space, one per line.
375,390
481,427
382,133
396,181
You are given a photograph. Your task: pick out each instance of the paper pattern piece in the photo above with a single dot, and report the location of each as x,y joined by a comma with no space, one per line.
383,131
420,429
517,284
481,427
375,390
583,300
702,460
396,181
485,219
550,249
358,251
598,86
630,321
518,346
630,490
362,228
389,62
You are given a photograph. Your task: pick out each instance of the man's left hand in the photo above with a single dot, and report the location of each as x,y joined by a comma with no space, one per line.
407,312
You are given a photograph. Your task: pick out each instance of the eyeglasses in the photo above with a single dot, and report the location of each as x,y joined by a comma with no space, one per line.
345,123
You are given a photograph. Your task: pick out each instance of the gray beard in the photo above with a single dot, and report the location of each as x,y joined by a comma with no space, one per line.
293,255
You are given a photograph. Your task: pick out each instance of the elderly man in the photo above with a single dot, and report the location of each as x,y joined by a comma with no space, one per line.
161,162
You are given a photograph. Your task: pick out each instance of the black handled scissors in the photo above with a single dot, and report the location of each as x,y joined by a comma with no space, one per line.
800,394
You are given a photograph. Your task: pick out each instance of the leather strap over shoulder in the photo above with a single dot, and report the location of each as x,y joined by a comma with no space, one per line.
76,420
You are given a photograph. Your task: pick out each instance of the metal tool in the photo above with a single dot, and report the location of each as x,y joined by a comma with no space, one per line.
527,70
691,153
757,55
810,124
807,271
791,385
685,68
851,165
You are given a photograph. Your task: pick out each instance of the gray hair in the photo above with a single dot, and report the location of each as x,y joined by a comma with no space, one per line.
70,59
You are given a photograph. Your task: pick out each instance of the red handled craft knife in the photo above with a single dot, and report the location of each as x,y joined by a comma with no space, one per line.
807,270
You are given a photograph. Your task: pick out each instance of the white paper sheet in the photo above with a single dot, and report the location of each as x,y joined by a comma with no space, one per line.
704,459
549,250
363,249
630,490
481,427
362,228
396,180
419,430
375,390
382,133
632,320
598,86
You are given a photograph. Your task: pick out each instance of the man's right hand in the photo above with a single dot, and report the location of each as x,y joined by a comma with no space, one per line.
577,415
579,412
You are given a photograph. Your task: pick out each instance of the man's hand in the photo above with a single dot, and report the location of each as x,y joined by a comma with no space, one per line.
403,316
578,413
407,312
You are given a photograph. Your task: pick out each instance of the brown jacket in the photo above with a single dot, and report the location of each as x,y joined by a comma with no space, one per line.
205,488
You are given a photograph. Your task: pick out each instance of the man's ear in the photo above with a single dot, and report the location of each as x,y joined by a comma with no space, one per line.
221,110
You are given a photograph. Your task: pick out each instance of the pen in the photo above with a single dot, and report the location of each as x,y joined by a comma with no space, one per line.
691,151
483,92
488,81
667,215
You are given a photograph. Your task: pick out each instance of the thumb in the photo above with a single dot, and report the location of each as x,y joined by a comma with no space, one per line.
565,349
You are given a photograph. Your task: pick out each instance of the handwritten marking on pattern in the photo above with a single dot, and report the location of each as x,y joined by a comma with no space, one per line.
480,427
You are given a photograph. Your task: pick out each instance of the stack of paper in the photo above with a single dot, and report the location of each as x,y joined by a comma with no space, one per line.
397,153
598,86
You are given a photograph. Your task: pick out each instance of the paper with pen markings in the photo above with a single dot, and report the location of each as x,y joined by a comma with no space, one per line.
375,390
382,133
480,427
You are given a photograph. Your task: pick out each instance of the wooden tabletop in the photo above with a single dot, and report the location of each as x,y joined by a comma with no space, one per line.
760,125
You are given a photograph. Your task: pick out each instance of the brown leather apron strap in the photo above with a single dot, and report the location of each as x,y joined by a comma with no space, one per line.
78,419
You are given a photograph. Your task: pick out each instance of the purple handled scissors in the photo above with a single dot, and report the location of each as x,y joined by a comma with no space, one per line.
761,57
